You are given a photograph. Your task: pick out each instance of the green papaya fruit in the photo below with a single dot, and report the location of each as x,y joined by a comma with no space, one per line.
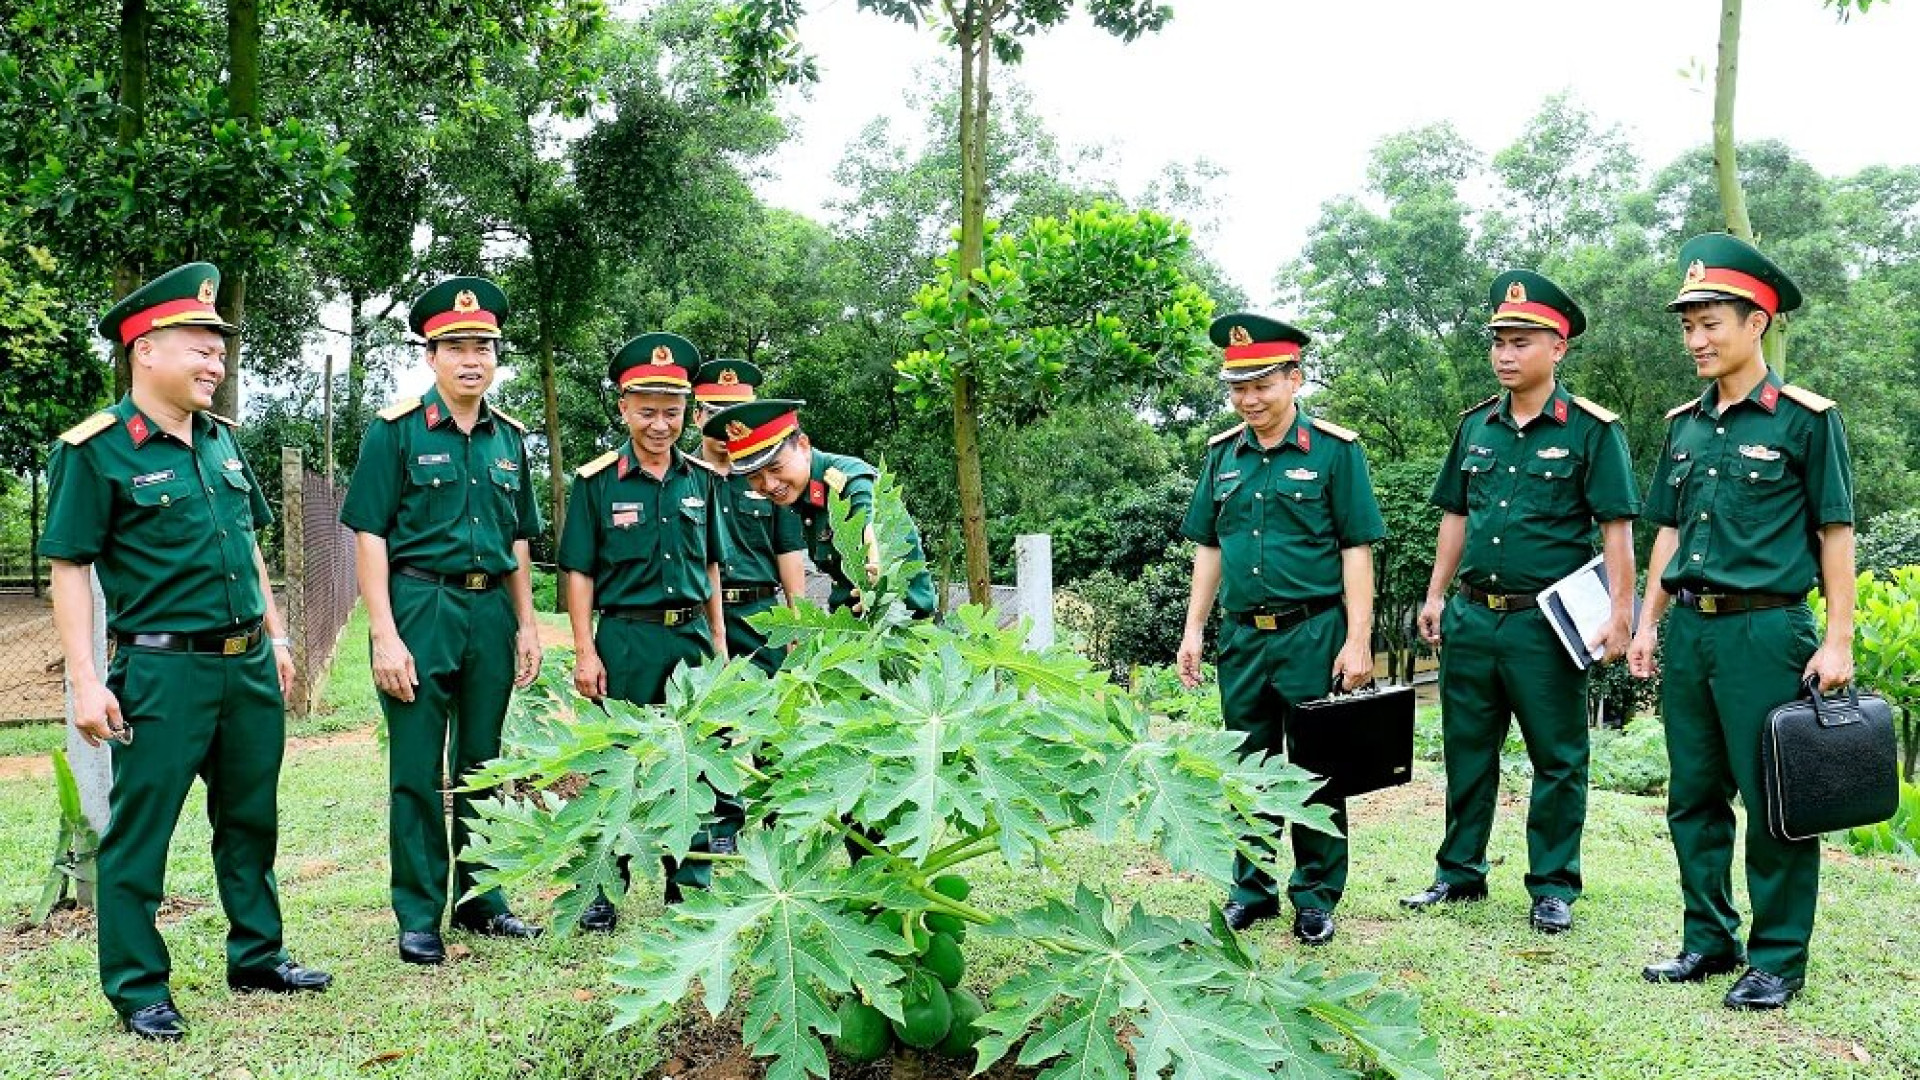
963,1035
952,886
943,959
926,1012
865,1034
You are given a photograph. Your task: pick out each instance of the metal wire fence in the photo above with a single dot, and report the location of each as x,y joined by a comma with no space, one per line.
319,591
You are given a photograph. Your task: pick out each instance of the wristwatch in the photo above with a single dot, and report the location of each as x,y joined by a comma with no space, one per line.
283,643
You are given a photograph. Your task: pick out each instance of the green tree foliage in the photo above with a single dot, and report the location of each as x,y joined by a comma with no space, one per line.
928,747
1403,562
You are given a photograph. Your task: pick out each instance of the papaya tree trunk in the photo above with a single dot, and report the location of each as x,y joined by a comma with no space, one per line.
243,97
975,38
1726,166
133,122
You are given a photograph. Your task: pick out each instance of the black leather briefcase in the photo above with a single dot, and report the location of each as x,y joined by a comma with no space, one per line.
1828,764
1360,742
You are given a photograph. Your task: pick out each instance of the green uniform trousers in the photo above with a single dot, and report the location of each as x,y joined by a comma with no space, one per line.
744,640
463,654
1263,675
1723,674
1495,665
221,719
640,657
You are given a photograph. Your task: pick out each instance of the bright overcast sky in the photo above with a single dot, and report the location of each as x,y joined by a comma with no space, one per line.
1289,97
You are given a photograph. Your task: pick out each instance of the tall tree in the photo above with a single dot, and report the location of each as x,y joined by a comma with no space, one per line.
981,31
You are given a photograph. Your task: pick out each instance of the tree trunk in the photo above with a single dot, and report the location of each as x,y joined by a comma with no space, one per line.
550,394
350,420
133,122
1726,167
975,37
33,530
243,97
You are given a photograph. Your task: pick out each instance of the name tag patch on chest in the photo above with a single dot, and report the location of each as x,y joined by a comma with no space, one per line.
1679,455
1228,475
1480,451
232,464
1760,453
624,518
433,459
1302,474
754,495
160,477
1554,453
505,465
692,502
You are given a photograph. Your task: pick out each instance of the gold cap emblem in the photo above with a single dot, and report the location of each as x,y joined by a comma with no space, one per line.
1516,293
206,291
729,377
737,430
466,301
1696,273
662,354
1238,336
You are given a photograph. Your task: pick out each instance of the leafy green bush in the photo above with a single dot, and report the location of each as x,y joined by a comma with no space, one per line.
1633,761
1898,836
1160,692
1887,649
1890,541
926,747
546,590
1124,622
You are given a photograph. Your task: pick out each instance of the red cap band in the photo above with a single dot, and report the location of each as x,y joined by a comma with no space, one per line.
1721,279
1535,313
448,322
171,313
642,375
763,436
723,392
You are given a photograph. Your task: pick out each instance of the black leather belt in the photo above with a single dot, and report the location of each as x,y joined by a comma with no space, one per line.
748,594
1285,618
665,616
475,582
237,643
1499,601
1733,603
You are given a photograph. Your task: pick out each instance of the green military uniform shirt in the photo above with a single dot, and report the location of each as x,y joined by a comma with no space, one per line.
447,501
645,542
853,480
1750,488
171,526
1281,515
1531,494
754,532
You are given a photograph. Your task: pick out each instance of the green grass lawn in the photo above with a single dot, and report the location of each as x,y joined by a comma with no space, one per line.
1504,1002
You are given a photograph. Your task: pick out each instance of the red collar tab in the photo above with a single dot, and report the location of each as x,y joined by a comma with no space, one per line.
432,415
626,465
816,493
1560,409
138,430
1303,436
1769,396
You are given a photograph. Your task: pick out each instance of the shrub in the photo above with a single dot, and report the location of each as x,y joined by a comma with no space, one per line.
1124,622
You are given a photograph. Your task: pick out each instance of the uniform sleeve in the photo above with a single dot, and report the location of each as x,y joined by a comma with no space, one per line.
1356,510
79,506
1199,523
1611,493
789,532
859,495
580,535
532,522
1829,471
257,502
716,535
373,495
1450,487
1663,499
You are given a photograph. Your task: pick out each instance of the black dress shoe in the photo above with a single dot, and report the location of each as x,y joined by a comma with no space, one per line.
1239,916
1761,990
1313,926
505,924
600,916
422,947
1551,915
287,978
159,1021
1690,967
1441,892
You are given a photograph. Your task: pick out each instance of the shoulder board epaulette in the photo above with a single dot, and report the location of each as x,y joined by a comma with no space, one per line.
399,408
835,479
598,463
1227,434
1335,430
511,422
1478,405
1682,407
88,428
699,462
1598,411
1812,401
230,422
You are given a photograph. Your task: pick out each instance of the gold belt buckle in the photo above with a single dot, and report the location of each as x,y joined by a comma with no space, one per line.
1496,602
1709,604
670,618
734,596
1266,622
234,646
476,582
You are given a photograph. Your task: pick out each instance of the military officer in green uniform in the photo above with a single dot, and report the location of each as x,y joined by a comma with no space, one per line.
444,505
1284,515
766,445
762,543
641,547
1753,494
1533,469
155,496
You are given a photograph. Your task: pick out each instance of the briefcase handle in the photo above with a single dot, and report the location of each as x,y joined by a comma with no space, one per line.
1825,711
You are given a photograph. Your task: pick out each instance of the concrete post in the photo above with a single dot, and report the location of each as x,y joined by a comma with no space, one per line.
92,765
1033,557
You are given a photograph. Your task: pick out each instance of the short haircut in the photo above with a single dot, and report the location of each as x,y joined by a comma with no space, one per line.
1743,308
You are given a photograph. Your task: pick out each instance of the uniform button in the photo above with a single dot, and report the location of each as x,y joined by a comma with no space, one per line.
669,554
1696,556
1753,476
1296,496
1713,472
230,577
1256,532
1256,494
1719,431
1703,515
436,482
1496,540
1256,569
1493,577
223,534
669,588
475,480
1549,474
476,521
168,499
1503,504
1511,468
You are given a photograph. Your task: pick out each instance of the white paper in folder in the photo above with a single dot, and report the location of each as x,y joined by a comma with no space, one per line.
1577,607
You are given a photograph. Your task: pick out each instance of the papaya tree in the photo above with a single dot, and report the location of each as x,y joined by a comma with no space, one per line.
923,749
